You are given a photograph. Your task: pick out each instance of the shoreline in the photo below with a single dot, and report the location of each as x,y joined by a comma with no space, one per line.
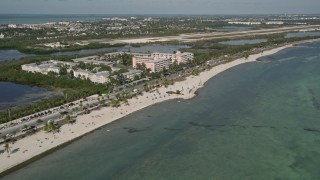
40,144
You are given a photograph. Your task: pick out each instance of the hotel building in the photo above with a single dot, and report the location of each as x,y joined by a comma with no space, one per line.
46,67
156,62
132,73
54,66
100,77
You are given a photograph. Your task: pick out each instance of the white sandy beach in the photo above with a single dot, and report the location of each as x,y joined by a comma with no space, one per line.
40,142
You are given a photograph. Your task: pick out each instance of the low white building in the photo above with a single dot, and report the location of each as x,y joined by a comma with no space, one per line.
12,26
132,73
244,22
42,68
100,77
275,22
83,74
47,66
114,54
1,36
31,68
54,69
96,60
54,66
55,45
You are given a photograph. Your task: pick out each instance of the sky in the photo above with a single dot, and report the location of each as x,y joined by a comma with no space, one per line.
159,6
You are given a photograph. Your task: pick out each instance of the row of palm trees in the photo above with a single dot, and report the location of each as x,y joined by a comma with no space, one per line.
6,147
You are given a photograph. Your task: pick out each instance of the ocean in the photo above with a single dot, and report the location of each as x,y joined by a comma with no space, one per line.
255,121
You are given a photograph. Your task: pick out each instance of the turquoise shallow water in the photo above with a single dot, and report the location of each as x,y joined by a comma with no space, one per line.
255,121
14,95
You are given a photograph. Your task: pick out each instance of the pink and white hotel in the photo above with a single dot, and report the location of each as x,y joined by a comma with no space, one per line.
158,61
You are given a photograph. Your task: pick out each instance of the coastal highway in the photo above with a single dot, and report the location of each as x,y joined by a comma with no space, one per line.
57,114
16,129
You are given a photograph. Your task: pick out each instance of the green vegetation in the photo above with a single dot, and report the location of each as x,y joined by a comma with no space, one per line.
115,103
168,82
178,92
195,71
50,126
69,119
28,44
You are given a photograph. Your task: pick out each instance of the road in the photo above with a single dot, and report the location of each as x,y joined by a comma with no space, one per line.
58,113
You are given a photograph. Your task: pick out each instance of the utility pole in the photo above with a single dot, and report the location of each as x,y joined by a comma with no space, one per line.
9,113
66,97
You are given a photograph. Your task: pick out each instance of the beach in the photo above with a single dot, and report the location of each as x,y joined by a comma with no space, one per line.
41,142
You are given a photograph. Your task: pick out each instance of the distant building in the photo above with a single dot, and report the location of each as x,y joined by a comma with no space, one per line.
96,60
114,54
64,23
275,22
55,45
244,23
1,36
82,43
12,26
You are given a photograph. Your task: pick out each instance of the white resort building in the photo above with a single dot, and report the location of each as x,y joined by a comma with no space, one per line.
156,62
54,66
132,73
46,66
100,77
82,74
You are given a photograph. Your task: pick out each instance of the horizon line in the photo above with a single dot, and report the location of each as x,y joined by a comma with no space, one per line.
141,14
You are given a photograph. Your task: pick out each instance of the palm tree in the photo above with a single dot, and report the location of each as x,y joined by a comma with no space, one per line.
7,149
50,126
125,100
69,119
81,105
